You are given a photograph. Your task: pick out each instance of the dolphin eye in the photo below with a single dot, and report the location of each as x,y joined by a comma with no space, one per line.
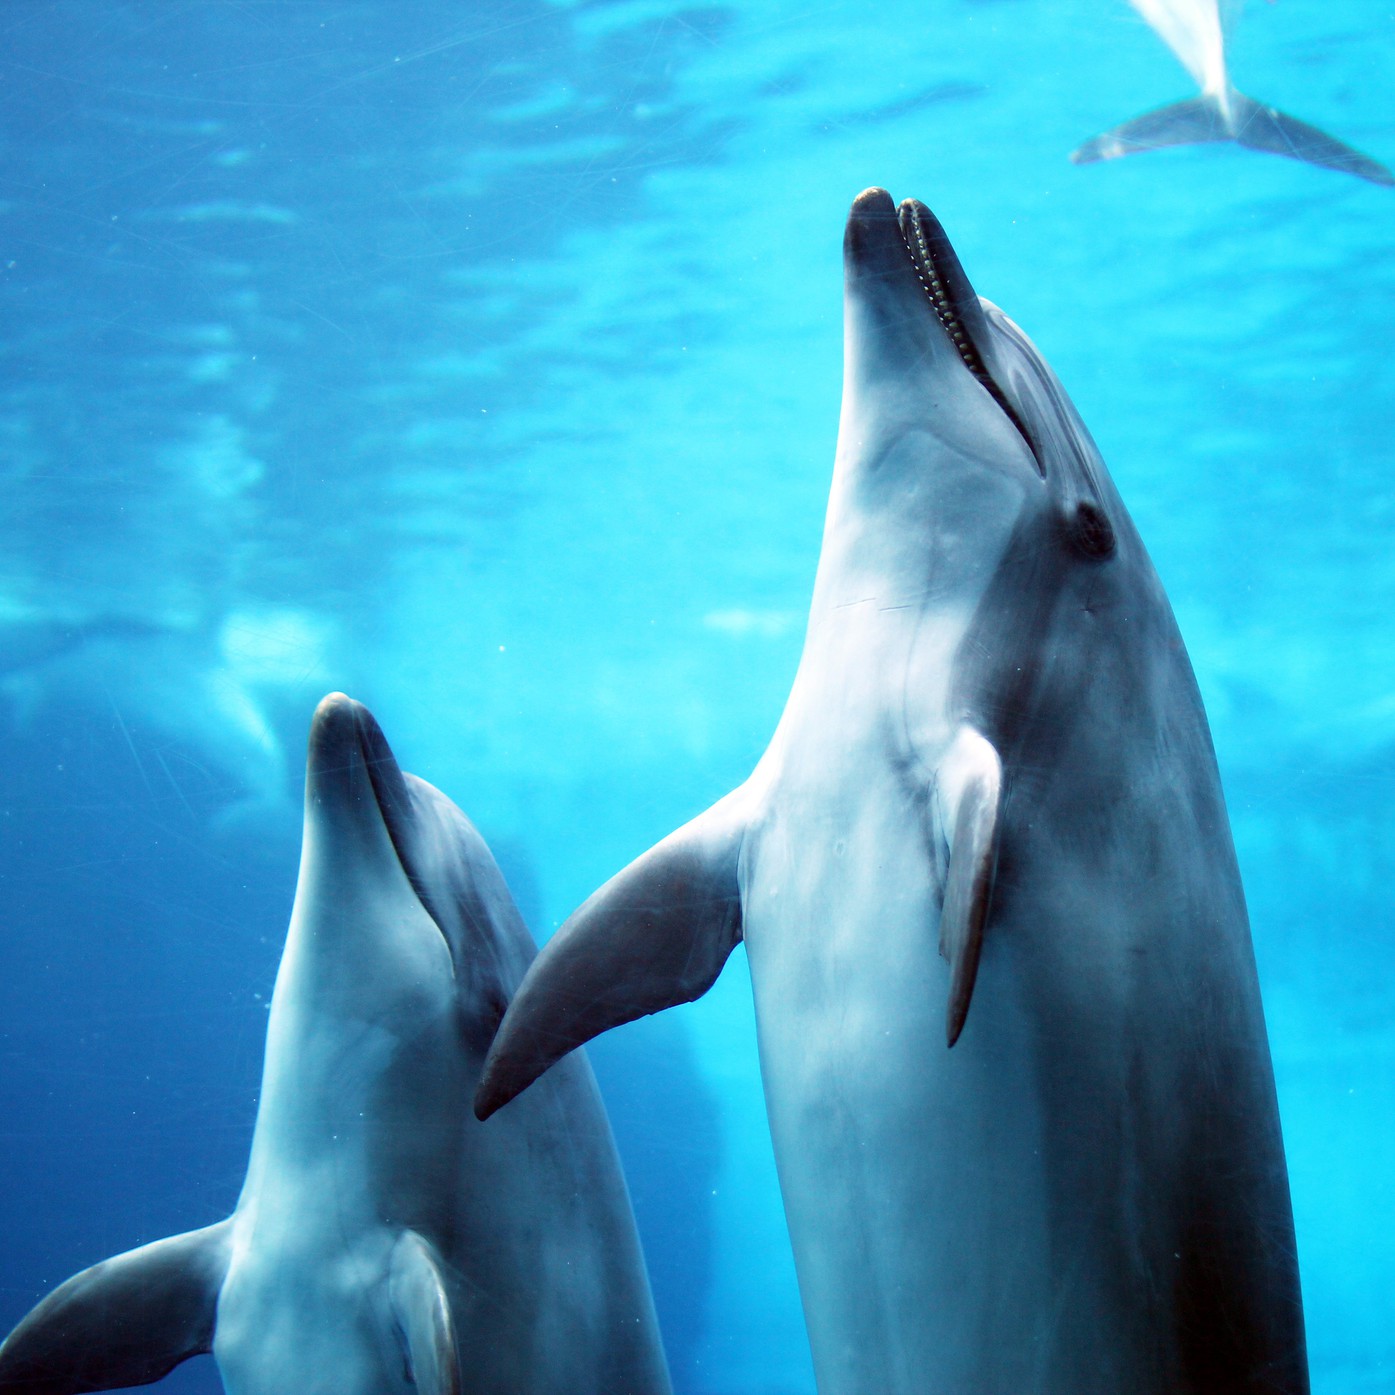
1091,533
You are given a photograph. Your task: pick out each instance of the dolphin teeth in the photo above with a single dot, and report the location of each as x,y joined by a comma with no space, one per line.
924,265
912,225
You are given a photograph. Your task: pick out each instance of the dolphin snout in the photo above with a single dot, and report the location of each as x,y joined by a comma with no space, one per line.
872,240
349,760
873,203
334,735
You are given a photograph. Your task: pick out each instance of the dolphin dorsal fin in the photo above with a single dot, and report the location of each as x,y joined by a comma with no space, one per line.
655,935
969,789
127,1321
421,1308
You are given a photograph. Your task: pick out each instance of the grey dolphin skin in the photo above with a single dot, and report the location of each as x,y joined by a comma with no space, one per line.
1192,29
385,1241
989,820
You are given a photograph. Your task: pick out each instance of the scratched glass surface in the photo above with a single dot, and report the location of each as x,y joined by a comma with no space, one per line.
483,362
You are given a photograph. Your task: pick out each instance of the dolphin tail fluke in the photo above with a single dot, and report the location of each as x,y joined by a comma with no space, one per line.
127,1321
1193,122
655,935
970,784
1267,128
1204,119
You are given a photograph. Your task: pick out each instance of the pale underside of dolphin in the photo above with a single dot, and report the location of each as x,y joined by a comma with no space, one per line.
385,1241
1193,30
1010,1032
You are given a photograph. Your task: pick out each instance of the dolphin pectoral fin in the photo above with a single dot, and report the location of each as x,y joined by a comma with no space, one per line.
655,935
421,1308
1193,122
127,1321
970,788
1266,128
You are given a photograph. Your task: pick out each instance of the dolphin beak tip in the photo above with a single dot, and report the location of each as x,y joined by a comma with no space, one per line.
336,742
333,708
875,200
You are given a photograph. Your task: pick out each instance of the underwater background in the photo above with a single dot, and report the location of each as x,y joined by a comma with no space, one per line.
483,361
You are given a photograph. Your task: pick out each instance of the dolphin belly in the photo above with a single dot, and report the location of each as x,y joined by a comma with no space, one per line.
911,1176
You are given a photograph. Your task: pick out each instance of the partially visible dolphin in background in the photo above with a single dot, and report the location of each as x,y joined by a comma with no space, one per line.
385,1241
170,678
1192,29
990,817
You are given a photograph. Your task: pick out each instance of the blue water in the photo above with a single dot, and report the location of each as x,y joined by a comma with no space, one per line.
483,361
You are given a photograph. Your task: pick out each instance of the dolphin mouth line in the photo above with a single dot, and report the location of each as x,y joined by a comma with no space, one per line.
394,803
945,286
387,807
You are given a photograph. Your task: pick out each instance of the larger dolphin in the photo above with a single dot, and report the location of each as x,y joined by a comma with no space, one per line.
385,1240
990,815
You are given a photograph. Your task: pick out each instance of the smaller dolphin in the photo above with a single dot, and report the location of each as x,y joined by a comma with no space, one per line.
1192,29
385,1241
